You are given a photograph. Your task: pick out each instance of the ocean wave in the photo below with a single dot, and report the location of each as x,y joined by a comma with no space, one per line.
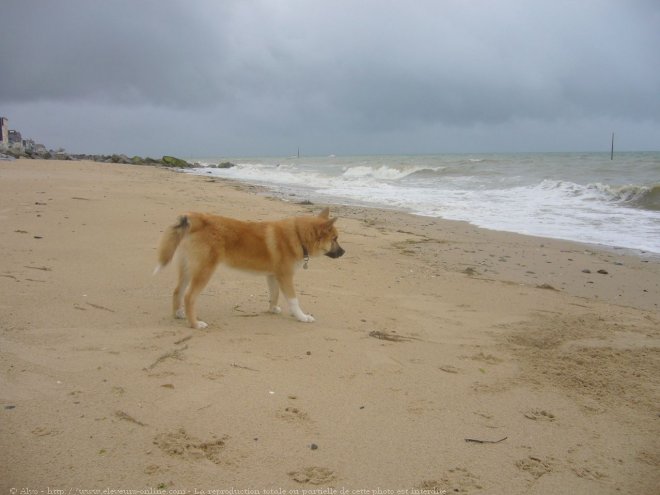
382,172
463,168
280,174
644,197
631,195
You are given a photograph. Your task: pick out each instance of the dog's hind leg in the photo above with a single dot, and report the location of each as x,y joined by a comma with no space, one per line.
286,284
200,274
182,285
274,290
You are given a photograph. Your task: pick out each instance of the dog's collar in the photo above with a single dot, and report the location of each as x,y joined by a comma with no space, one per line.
305,257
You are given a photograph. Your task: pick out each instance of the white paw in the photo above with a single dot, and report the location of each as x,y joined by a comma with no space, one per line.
297,312
275,310
200,325
180,314
305,318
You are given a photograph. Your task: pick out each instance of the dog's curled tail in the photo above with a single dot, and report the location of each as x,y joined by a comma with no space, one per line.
170,241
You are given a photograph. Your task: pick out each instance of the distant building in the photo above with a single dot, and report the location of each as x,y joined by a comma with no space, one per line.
11,139
4,130
15,137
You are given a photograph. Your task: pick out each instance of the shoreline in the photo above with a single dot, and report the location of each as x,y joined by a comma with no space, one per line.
340,202
597,214
651,255
429,333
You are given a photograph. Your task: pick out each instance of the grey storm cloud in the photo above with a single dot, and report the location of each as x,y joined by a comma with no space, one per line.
125,52
246,72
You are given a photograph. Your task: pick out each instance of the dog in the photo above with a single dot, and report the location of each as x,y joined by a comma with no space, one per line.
275,249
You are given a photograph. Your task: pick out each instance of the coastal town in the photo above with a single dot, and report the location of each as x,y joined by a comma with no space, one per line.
12,141
13,145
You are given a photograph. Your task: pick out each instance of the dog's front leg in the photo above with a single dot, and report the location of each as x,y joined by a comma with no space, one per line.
294,307
274,288
286,284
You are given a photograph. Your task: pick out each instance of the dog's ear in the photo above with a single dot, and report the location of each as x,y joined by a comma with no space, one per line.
326,227
325,213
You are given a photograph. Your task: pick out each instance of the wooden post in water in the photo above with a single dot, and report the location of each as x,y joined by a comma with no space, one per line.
612,150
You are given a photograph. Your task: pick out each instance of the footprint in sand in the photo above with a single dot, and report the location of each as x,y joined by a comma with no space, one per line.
535,466
153,469
420,407
540,415
485,358
457,480
650,458
313,475
293,414
214,375
589,473
119,391
43,431
180,444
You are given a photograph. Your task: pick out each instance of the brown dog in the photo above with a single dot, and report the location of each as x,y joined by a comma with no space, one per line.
275,249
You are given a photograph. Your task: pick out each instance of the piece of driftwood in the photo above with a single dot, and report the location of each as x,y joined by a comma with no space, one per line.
377,334
474,440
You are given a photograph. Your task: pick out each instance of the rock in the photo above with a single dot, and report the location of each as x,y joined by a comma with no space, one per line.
171,161
586,270
226,165
120,159
603,272
15,152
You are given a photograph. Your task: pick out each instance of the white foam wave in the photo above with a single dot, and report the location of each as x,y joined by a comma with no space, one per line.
636,195
595,213
265,174
382,172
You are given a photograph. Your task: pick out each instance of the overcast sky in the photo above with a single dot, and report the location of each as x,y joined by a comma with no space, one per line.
199,78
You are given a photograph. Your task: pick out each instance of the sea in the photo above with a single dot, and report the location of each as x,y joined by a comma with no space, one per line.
584,197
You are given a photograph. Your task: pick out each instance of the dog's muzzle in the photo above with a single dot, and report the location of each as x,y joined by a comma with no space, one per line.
335,252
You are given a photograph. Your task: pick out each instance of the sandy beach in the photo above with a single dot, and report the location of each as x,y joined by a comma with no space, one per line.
444,358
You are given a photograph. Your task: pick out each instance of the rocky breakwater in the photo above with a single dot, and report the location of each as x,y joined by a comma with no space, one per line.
43,154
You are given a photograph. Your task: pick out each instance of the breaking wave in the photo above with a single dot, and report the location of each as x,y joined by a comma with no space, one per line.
630,195
644,197
383,172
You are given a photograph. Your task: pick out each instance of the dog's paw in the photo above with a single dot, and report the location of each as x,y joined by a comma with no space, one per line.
200,325
294,307
180,314
275,310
